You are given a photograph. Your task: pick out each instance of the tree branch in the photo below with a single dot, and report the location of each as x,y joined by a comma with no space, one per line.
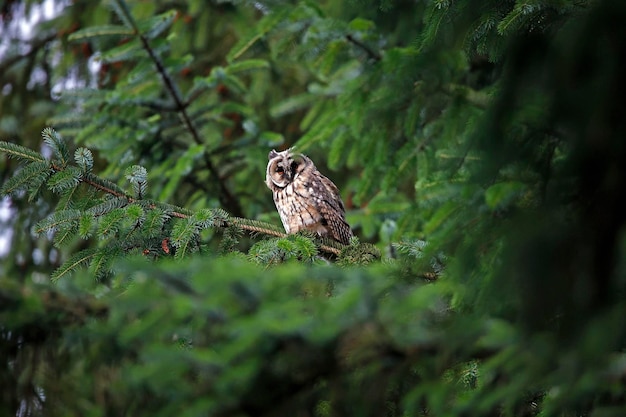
239,222
225,197
369,51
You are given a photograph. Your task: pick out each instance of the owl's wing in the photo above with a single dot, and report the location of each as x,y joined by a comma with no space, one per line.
334,199
333,212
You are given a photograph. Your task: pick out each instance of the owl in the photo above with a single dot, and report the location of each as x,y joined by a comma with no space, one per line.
304,198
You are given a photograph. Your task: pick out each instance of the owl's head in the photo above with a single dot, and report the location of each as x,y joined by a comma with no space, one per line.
284,167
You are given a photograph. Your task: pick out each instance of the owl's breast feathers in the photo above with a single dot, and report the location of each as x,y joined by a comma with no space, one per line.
303,208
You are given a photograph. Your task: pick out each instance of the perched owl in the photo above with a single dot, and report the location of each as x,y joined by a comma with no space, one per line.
306,199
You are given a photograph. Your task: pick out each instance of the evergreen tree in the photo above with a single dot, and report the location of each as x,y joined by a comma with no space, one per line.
478,146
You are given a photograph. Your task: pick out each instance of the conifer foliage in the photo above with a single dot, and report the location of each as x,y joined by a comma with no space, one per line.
478,146
124,222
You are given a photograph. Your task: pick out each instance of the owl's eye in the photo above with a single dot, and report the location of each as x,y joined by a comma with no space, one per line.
280,169
294,165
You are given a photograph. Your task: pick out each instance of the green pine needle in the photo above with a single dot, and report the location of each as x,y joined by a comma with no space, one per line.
30,177
58,146
20,152
78,260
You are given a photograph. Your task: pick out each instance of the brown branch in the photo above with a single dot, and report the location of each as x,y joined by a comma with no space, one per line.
369,51
105,189
256,229
240,223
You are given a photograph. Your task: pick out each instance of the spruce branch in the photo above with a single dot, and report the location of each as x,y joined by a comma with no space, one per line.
57,144
108,206
84,159
225,196
20,152
119,213
105,186
64,179
110,223
138,177
31,177
373,55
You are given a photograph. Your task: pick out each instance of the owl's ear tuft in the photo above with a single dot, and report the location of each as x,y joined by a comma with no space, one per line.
272,154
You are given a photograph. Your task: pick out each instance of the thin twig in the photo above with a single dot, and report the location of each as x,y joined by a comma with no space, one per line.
105,189
369,51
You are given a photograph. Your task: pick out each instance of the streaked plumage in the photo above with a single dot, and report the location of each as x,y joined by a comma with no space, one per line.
304,198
